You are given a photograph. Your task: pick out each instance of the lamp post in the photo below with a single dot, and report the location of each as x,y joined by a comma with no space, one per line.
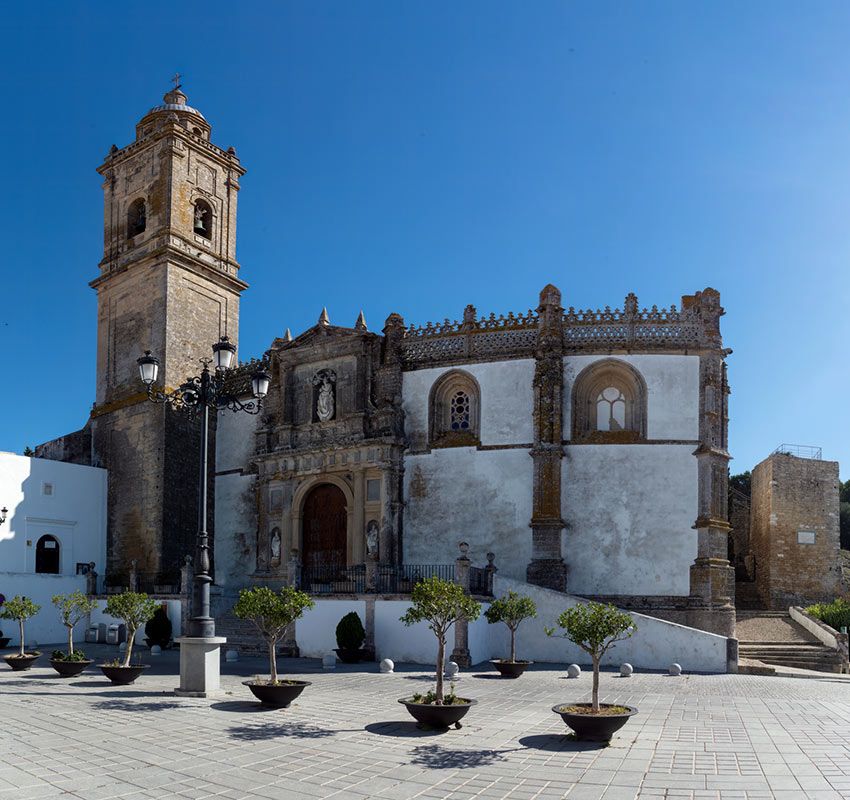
195,397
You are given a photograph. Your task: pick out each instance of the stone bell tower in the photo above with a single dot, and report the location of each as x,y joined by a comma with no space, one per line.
168,283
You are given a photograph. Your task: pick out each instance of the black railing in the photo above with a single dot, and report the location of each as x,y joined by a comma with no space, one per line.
402,578
157,583
334,580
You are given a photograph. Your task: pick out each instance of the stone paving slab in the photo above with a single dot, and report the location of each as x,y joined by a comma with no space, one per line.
696,737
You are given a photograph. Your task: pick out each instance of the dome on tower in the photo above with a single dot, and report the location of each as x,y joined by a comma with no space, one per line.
175,100
174,108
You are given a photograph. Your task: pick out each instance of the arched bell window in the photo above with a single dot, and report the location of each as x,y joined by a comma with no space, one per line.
454,410
203,219
609,404
47,555
137,218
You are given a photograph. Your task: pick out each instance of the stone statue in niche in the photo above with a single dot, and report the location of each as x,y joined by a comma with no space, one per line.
274,547
372,539
325,402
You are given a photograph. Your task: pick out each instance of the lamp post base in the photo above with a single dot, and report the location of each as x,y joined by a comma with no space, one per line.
200,672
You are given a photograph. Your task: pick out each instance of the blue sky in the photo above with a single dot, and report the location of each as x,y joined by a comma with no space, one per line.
417,156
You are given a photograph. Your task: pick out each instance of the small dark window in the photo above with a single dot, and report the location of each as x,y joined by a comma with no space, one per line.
196,131
47,555
203,219
137,218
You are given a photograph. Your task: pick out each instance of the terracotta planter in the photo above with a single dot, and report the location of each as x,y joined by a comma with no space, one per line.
594,727
70,669
278,695
437,716
20,663
510,669
123,676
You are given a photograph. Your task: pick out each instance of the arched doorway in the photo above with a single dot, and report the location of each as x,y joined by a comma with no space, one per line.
47,555
324,527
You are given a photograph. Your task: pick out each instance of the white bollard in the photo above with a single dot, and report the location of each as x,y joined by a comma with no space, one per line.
329,661
387,667
626,670
573,671
675,669
156,650
231,655
452,671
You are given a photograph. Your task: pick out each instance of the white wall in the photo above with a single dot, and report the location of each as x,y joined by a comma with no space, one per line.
672,387
507,399
99,615
315,632
629,511
75,513
463,494
235,501
655,644
414,645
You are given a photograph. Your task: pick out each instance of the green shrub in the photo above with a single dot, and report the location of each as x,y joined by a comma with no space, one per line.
20,609
72,608
61,655
835,614
350,634
158,628
511,609
134,609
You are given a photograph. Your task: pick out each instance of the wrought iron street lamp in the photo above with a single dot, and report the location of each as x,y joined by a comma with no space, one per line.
196,396
3,512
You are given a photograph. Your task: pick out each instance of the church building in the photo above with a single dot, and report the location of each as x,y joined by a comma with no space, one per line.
580,450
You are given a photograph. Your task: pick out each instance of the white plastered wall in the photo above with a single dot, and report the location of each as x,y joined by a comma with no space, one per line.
459,494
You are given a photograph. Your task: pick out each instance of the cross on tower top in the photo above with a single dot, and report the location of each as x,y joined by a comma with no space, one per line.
176,80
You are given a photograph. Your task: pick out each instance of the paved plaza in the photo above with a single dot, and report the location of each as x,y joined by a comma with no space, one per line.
696,736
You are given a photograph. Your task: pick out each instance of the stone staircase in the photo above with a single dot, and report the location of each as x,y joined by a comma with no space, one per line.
772,637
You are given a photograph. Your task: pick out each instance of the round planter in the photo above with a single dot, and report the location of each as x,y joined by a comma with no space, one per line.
437,716
510,669
278,695
4,641
20,663
123,676
349,655
594,727
70,669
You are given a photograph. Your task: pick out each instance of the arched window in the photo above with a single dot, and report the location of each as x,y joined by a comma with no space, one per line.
454,411
609,404
47,555
203,219
137,218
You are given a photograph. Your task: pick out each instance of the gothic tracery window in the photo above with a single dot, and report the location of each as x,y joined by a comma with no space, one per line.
454,411
609,404
136,218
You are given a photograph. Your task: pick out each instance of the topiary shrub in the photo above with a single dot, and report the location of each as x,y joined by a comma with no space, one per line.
158,628
350,633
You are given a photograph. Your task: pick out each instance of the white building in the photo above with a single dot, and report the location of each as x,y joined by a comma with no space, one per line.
55,529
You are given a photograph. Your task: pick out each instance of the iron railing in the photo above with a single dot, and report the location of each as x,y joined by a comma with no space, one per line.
800,450
329,579
402,578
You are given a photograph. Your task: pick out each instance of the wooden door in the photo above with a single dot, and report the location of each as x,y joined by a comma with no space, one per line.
324,527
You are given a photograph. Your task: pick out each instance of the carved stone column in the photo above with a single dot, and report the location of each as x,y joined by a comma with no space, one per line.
547,566
460,654
712,591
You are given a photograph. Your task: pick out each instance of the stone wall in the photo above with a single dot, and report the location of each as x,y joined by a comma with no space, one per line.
794,532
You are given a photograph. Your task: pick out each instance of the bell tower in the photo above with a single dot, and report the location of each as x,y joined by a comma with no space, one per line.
168,283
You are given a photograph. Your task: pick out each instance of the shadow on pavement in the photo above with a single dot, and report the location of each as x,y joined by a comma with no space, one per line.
298,730
434,756
404,730
243,707
559,742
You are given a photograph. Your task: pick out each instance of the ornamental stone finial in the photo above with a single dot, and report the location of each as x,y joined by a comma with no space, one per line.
550,295
360,325
324,319
287,337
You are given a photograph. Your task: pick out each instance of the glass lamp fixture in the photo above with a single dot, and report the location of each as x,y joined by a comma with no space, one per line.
224,352
260,383
189,393
148,368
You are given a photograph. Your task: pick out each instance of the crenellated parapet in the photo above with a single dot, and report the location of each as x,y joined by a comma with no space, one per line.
693,327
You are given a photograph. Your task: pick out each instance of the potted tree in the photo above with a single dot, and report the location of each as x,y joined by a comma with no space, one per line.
441,604
72,608
511,609
134,609
594,627
4,640
272,612
350,636
20,609
158,628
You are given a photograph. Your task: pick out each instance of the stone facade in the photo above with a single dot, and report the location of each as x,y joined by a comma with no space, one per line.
794,532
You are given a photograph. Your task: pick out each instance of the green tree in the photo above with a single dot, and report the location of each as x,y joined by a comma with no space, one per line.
844,513
134,609
272,613
742,482
441,604
511,609
72,608
594,627
28,451
20,609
